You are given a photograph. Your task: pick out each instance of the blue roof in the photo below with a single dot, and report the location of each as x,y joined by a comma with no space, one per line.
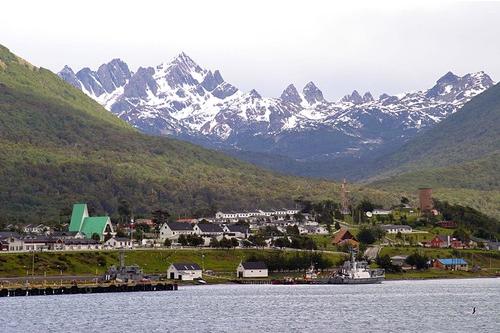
454,261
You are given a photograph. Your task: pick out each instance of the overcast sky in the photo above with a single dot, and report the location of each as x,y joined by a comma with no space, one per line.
379,46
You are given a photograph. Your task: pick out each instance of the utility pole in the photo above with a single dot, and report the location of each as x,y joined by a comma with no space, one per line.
33,264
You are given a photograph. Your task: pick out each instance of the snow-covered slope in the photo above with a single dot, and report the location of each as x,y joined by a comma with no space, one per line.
182,99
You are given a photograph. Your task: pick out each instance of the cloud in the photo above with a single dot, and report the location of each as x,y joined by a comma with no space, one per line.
378,46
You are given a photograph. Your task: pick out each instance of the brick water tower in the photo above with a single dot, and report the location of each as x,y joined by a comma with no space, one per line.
425,199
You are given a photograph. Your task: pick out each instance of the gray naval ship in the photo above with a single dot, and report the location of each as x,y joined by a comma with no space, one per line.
357,272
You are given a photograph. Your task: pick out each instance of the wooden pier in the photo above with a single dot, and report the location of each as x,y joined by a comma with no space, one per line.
92,289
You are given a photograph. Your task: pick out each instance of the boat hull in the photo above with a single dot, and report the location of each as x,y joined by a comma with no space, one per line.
343,280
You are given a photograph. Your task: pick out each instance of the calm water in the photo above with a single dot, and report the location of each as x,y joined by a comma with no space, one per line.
409,306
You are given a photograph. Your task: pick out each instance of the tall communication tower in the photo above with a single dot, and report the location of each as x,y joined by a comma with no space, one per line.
344,198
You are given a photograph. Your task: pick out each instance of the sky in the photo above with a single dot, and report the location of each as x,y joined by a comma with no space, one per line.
376,46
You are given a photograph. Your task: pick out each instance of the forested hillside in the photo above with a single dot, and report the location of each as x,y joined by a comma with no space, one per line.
57,147
459,158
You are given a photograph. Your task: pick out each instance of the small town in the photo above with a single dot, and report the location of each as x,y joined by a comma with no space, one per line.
407,242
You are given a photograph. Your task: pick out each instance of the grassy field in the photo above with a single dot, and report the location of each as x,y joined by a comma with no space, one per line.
152,261
485,259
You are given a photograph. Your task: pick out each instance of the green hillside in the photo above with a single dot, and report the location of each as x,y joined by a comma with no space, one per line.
459,158
57,147
471,133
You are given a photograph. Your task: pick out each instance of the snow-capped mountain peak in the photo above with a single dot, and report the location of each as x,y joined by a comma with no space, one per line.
312,94
291,95
183,99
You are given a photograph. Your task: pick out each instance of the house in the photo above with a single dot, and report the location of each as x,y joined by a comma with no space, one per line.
184,272
81,244
208,230
236,230
172,230
450,264
395,228
447,224
88,226
440,241
493,246
11,241
118,243
381,212
34,229
188,220
33,243
145,222
252,269
399,260
316,229
344,236
456,243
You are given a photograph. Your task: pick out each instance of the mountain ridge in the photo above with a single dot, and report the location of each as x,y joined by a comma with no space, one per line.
58,147
184,100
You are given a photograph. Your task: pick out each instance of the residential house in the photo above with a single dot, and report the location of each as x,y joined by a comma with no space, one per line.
172,230
450,264
456,243
188,220
493,246
118,243
381,212
440,241
395,228
344,236
208,230
11,241
399,260
314,230
88,226
184,272
252,269
447,224
78,244
235,230
35,229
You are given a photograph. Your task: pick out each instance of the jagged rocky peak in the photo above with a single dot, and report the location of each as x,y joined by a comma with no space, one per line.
354,98
254,94
479,78
212,80
312,94
113,75
448,78
453,87
367,97
69,76
291,95
186,63
140,83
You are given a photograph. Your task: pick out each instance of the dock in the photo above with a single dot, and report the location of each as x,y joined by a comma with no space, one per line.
93,289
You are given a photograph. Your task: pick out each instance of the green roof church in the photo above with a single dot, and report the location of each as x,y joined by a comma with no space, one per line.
82,223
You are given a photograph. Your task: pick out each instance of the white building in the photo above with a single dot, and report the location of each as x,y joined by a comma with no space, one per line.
172,230
235,230
208,230
252,269
11,242
395,228
35,229
118,243
248,214
184,272
381,212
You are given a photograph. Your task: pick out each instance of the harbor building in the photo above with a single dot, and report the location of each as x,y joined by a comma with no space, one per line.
184,272
252,269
